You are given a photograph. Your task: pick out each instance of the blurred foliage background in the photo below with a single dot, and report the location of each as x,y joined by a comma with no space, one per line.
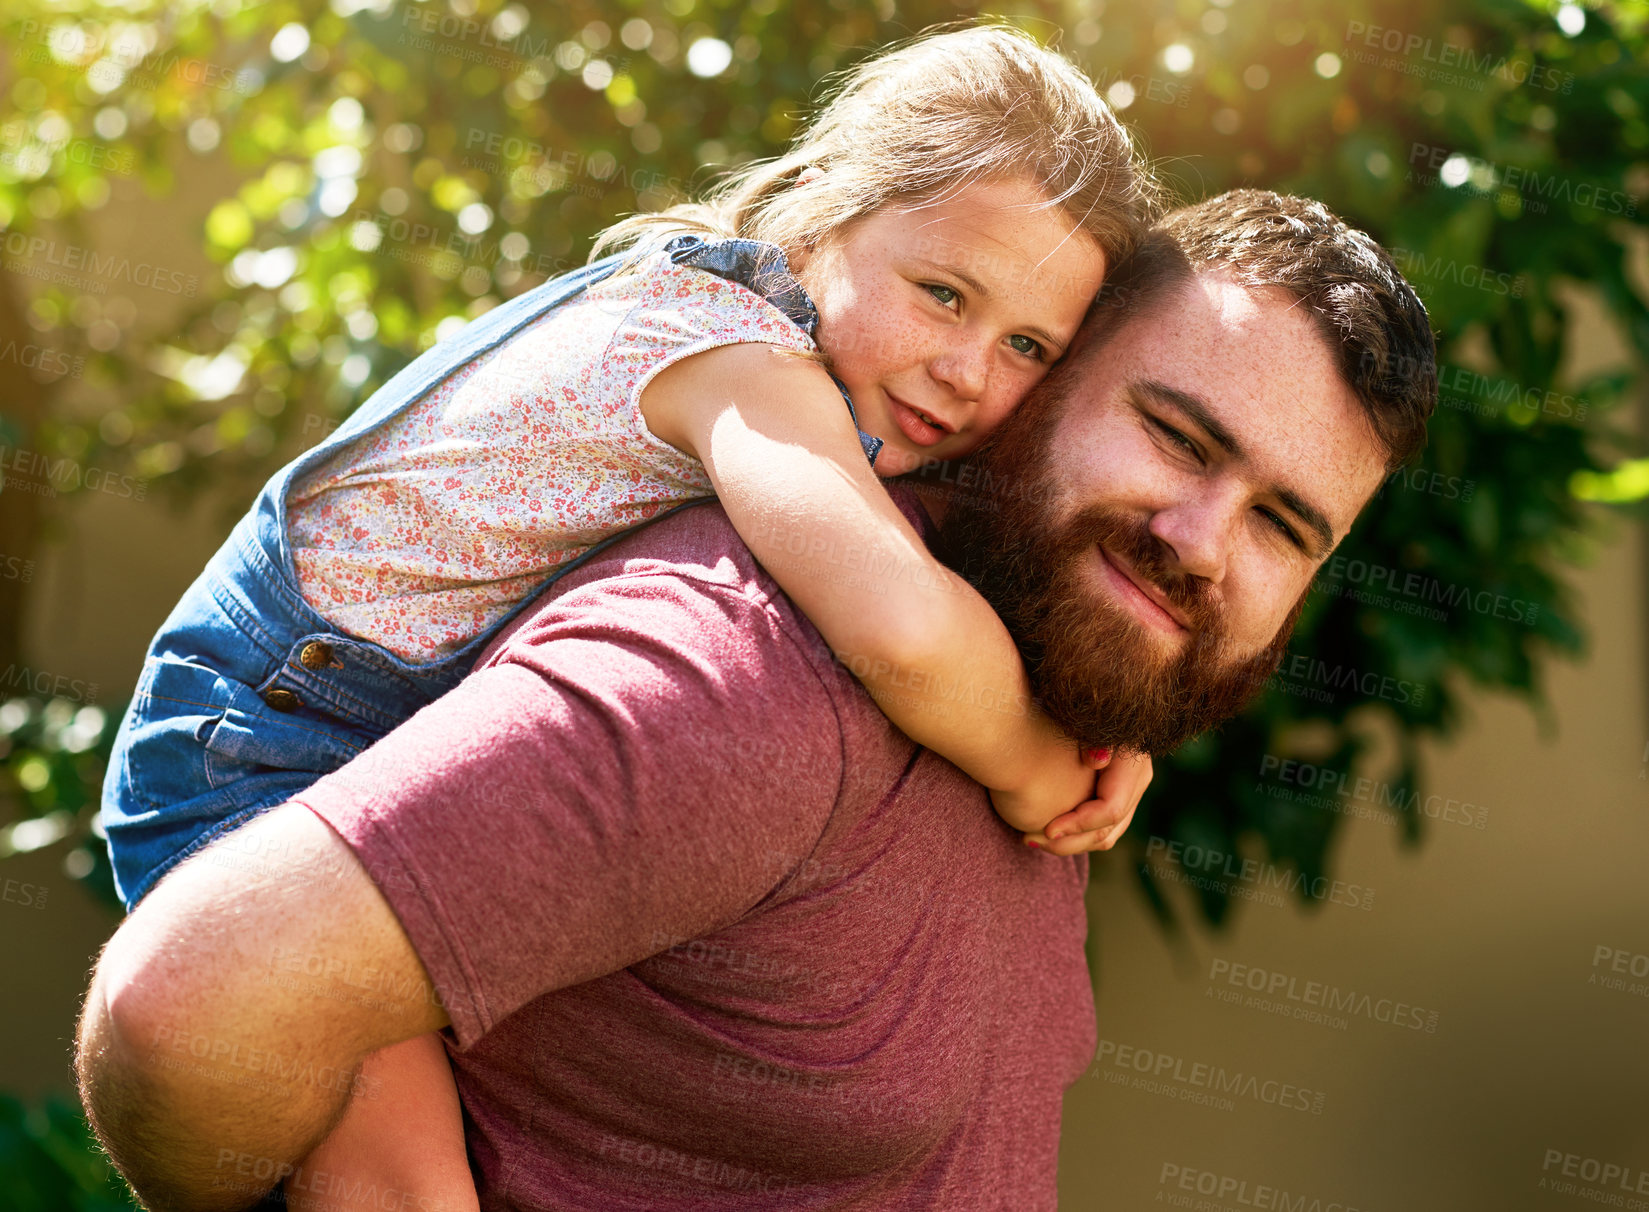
387,171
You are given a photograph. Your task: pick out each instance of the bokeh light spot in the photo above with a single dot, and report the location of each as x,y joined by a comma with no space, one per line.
709,57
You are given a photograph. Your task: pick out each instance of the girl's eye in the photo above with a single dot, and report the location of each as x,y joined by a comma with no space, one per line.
944,294
1025,345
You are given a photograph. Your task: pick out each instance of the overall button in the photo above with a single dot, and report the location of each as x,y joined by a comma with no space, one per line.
281,700
317,654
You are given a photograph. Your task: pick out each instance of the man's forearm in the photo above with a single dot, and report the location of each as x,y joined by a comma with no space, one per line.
225,1027
195,1120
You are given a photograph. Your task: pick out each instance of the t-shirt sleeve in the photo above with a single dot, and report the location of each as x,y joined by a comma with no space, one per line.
594,794
680,311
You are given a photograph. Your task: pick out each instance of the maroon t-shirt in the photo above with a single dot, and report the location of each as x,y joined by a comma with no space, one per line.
713,934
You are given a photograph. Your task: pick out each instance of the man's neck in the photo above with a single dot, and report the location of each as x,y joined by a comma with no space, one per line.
933,496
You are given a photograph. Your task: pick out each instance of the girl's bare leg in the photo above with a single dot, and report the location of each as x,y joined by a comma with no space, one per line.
399,1145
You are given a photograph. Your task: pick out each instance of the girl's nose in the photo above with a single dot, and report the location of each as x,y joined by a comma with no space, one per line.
963,366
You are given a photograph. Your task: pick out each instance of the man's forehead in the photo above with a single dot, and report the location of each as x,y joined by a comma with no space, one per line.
1260,365
1211,304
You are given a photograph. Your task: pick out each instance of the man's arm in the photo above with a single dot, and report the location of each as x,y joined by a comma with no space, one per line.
646,758
229,1015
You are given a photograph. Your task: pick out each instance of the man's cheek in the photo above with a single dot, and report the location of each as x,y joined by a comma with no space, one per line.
1275,634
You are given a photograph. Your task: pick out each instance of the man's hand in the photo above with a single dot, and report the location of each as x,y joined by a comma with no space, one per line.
1099,823
229,1015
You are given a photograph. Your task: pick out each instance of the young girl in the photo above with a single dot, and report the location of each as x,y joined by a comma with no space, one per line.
881,296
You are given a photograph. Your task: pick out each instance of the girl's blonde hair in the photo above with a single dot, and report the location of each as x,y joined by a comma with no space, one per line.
920,122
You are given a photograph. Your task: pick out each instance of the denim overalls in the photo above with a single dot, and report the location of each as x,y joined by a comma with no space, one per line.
247,695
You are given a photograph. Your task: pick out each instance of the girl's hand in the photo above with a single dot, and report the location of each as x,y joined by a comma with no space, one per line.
1062,781
1097,824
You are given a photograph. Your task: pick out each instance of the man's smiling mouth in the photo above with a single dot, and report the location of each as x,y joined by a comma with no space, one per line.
1146,600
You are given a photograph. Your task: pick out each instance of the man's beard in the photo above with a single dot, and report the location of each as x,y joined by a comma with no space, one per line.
1093,665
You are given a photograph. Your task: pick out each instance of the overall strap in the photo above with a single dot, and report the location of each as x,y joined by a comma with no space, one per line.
763,268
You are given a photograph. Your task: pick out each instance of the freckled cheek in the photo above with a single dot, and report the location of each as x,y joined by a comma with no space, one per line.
1009,388
875,339
1258,599
1133,473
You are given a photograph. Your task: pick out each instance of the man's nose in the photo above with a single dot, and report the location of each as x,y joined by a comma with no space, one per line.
963,365
1200,532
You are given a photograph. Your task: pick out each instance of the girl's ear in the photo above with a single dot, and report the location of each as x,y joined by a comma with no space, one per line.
808,175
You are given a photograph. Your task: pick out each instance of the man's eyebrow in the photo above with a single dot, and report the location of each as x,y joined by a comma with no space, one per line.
1197,409
979,288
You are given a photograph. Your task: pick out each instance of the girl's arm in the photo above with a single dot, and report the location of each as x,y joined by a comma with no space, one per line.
780,447
399,1144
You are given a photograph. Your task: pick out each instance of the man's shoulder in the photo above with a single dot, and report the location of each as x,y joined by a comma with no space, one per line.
694,558
692,551
683,581
695,543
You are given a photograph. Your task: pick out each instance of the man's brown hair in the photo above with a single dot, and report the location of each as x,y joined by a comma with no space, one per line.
1368,314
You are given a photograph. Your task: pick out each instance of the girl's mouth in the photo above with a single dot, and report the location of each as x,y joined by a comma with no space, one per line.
920,427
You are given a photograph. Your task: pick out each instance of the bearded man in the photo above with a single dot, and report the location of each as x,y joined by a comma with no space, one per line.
1140,523
704,930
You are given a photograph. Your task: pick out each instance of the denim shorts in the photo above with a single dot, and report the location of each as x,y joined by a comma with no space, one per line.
247,695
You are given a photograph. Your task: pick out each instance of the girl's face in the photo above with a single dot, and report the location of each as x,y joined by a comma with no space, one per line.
940,320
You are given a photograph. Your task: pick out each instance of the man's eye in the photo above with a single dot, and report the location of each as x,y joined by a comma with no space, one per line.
1025,345
1177,438
1283,527
944,294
